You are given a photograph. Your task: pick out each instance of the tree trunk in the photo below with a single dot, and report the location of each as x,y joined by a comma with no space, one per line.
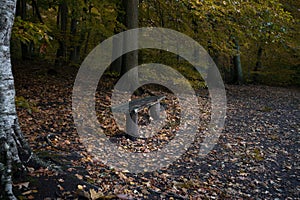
87,28
37,11
75,47
61,54
14,150
21,12
237,62
258,64
131,58
116,66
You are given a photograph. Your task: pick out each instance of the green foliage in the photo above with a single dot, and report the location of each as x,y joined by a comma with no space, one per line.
257,155
112,74
272,25
265,21
177,63
282,76
23,103
192,75
27,32
267,109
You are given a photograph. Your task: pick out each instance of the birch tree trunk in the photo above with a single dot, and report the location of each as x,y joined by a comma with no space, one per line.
14,150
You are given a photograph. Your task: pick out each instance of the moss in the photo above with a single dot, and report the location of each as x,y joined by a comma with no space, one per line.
257,155
21,102
266,109
274,137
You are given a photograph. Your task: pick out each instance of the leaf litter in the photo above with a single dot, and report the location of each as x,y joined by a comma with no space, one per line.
256,157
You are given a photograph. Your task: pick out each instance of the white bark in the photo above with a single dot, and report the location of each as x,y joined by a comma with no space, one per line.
11,138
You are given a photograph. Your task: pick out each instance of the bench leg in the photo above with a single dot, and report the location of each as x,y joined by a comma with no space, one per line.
132,127
155,111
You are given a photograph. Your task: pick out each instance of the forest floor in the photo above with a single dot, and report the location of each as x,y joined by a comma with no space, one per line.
257,155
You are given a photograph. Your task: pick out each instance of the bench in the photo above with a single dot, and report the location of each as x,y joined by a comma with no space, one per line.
135,106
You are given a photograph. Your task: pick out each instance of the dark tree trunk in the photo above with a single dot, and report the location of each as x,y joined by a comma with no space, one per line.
86,34
258,64
21,12
131,22
61,54
36,11
237,63
131,58
75,47
116,66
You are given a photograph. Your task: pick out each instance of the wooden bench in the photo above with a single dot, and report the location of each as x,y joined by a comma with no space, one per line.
135,106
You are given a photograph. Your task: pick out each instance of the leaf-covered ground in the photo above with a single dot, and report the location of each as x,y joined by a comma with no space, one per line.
257,156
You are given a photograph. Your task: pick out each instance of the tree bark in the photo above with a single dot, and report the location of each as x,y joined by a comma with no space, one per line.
116,66
62,20
88,30
131,58
14,150
237,62
258,64
75,42
21,12
37,11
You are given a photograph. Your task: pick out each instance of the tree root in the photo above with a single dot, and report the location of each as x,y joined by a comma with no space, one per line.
49,142
6,174
15,152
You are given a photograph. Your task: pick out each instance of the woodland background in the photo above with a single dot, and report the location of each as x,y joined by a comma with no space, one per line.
250,41
255,43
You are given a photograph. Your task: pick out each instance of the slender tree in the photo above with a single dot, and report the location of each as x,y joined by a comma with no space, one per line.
21,12
131,22
116,66
130,60
62,22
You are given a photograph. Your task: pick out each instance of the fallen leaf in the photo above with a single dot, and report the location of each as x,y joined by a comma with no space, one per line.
95,195
21,185
79,176
80,187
